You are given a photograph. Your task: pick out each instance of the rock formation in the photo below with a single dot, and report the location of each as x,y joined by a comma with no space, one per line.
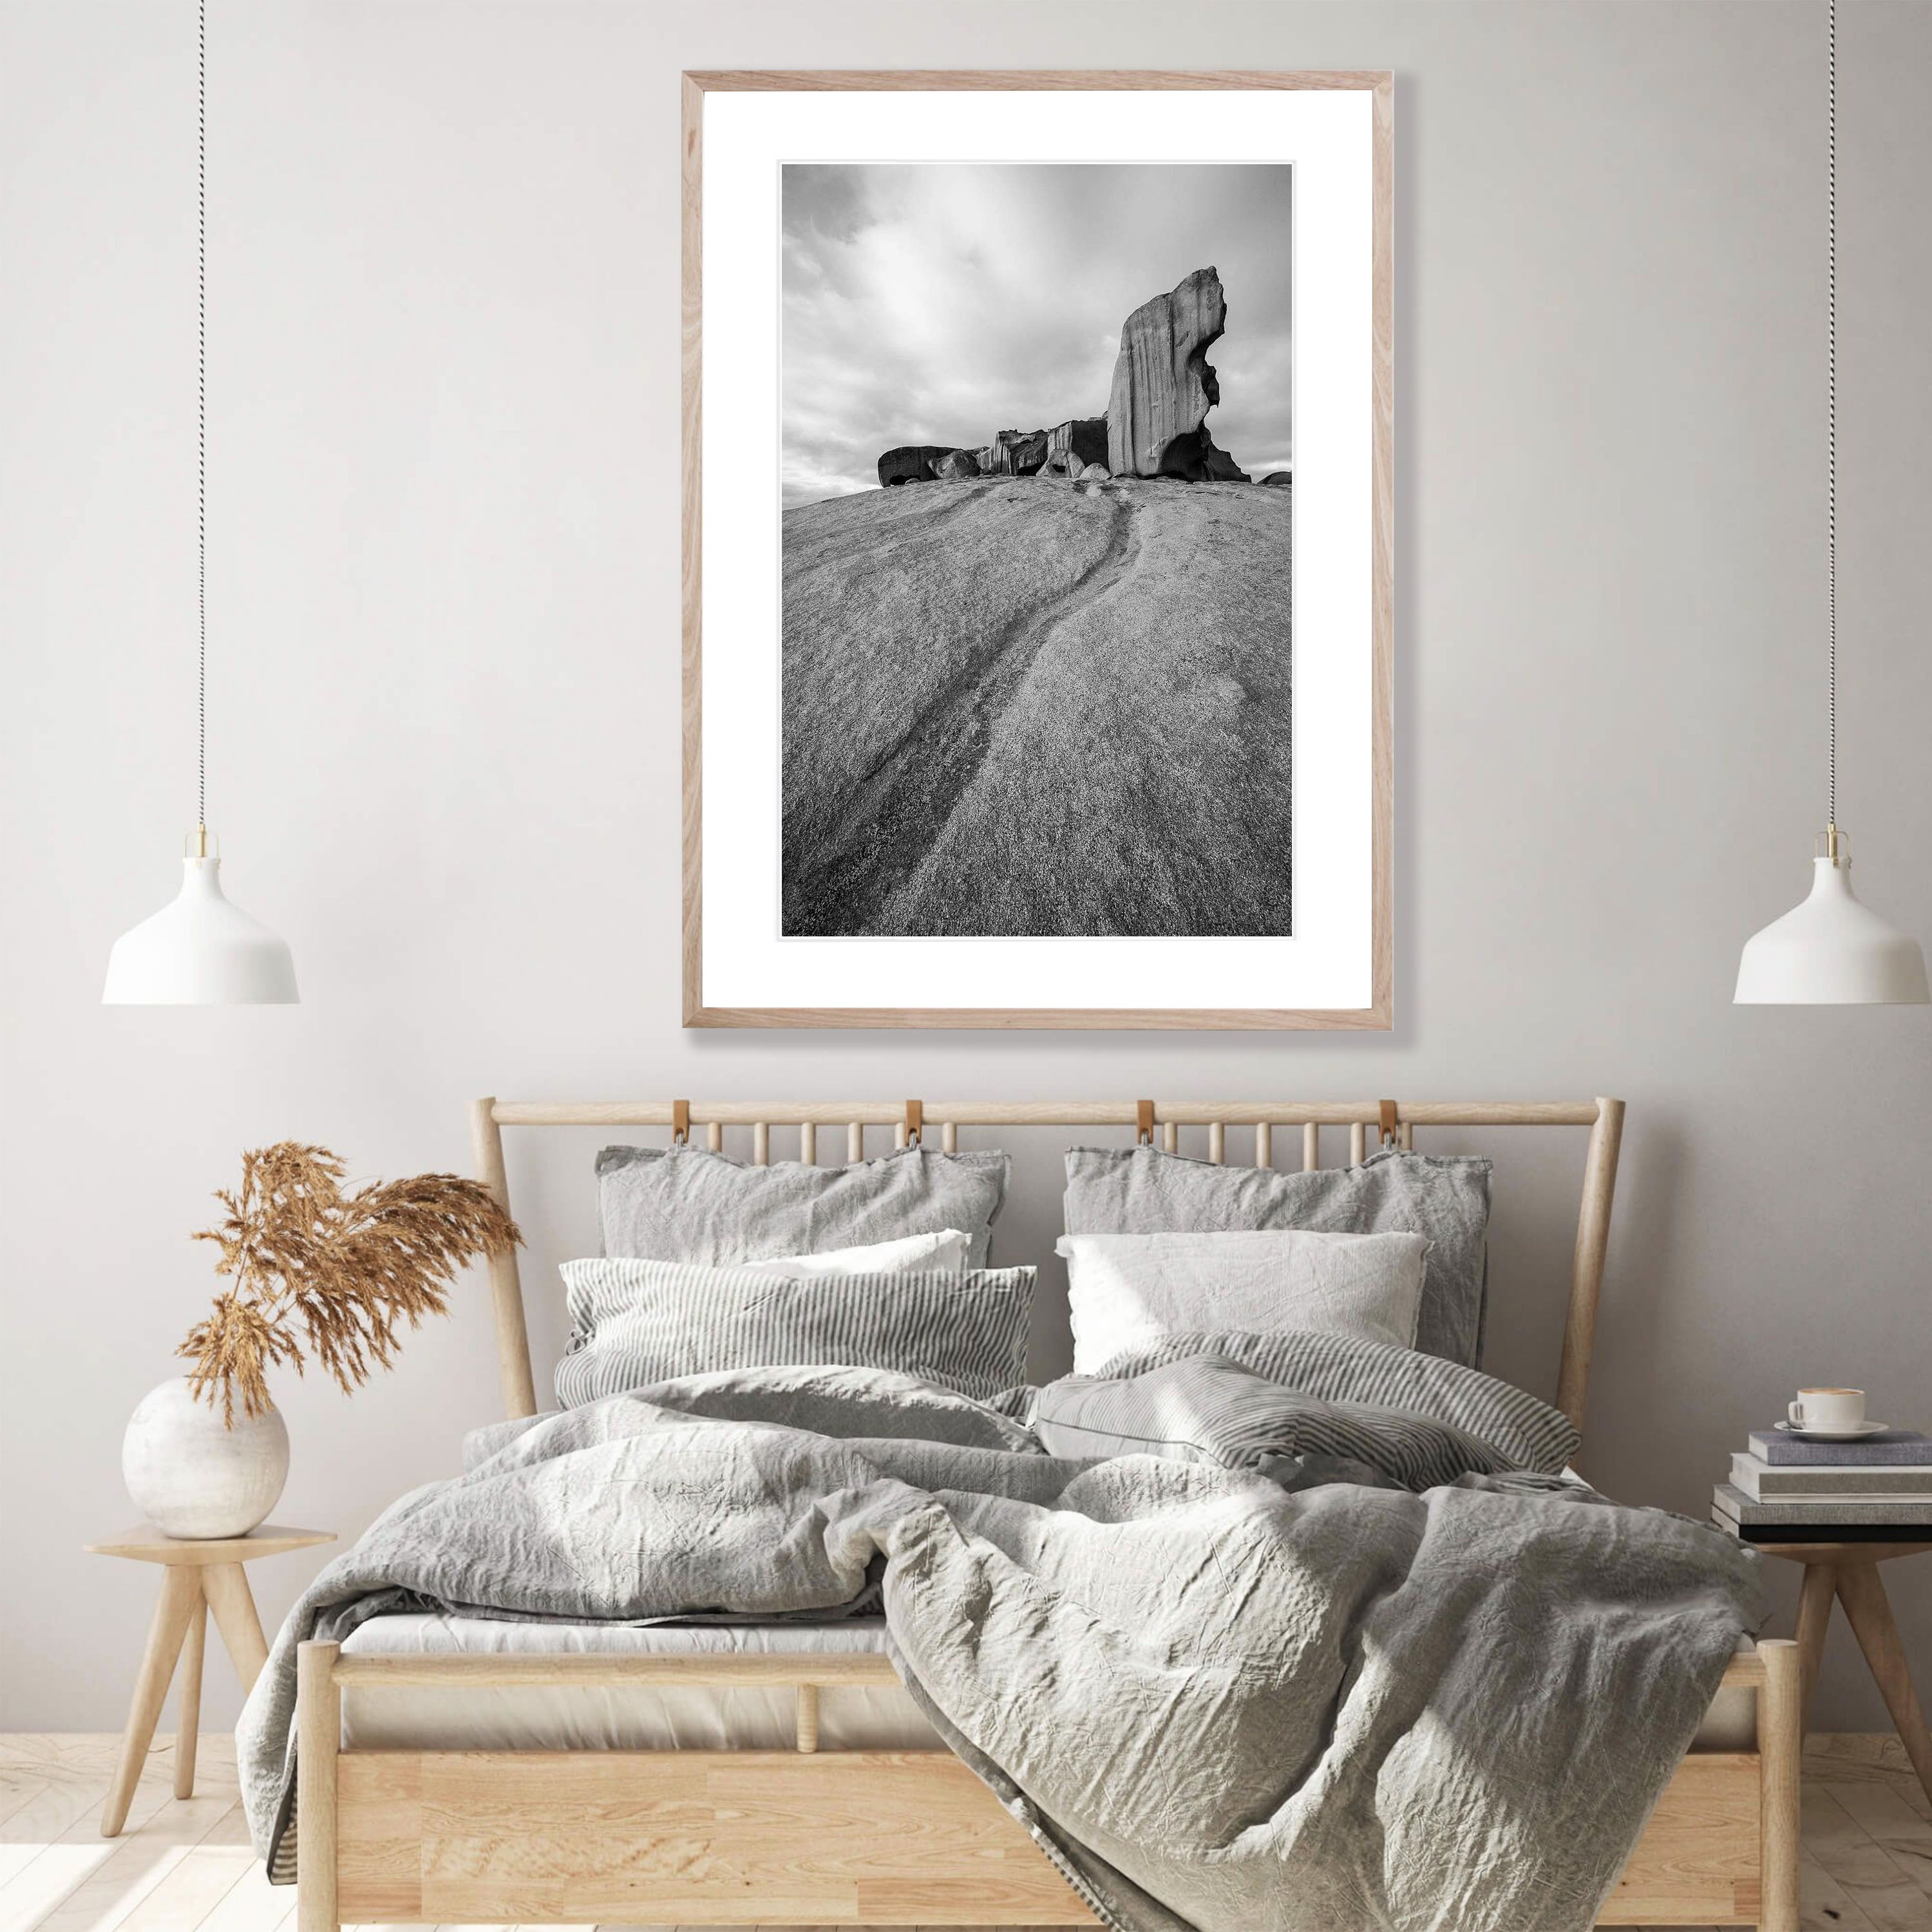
1074,446
1013,452
1281,478
1164,385
1156,419
912,464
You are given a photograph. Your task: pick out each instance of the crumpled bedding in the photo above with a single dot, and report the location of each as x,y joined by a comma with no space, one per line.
1216,1698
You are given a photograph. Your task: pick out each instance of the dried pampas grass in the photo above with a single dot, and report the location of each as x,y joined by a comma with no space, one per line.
337,1272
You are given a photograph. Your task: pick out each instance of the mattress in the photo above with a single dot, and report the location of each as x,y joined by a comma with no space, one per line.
632,1716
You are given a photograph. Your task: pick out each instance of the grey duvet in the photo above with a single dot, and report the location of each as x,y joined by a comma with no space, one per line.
1217,1697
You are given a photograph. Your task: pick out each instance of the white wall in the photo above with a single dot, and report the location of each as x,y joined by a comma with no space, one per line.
443,499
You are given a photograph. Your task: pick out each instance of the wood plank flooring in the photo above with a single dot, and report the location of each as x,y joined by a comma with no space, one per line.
185,1865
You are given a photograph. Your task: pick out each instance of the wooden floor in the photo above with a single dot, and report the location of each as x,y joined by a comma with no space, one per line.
185,1865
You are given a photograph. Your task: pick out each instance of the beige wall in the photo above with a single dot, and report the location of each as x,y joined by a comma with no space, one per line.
443,598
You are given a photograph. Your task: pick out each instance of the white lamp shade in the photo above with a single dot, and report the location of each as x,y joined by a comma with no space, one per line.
1831,951
200,951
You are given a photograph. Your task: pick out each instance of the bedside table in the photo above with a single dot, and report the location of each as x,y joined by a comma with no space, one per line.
196,1577
1845,1570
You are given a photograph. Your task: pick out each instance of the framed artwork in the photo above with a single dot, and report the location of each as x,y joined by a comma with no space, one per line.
1037,567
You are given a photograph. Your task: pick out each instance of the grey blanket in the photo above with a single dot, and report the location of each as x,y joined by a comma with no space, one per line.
1216,1701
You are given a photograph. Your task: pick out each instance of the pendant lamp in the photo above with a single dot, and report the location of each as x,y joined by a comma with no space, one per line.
1830,950
200,950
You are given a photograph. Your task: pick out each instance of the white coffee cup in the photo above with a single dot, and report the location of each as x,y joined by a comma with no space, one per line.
1831,1410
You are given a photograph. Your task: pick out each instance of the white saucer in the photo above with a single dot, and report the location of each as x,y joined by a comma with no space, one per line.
1854,1434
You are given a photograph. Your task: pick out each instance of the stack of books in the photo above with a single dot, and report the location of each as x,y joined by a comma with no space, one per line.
1785,1489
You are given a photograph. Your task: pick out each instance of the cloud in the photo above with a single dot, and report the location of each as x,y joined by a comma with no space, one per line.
941,303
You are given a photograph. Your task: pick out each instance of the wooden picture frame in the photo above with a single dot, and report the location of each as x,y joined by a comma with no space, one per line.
1373,939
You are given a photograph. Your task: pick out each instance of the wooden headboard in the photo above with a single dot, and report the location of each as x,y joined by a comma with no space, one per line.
1394,1122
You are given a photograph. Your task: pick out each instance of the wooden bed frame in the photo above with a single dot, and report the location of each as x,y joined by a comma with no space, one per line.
749,1837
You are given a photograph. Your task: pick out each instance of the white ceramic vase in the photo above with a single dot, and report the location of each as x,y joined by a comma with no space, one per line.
192,1477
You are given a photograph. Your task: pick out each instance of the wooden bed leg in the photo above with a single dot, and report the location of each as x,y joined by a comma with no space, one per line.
1780,1746
318,1737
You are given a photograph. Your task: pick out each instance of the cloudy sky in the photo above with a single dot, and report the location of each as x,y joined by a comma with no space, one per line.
941,304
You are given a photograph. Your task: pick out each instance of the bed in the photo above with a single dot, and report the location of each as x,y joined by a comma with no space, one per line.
453,1770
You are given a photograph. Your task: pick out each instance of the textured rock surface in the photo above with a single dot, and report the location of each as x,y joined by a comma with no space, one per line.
1028,448
956,466
1072,447
1013,452
1072,717
1281,478
1164,385
912,464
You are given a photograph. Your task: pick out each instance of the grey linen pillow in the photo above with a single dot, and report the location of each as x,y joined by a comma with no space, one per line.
1377,1390
1143,1191
686,1204
633,1323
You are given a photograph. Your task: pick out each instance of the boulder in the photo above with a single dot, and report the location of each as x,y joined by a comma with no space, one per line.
956,466
1216,465
1164,385
1072,447
1094,472
912,464
1013,452
1280,479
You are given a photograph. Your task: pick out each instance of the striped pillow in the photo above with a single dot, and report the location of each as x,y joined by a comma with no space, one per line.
1524,1432
636,1322
1206,1409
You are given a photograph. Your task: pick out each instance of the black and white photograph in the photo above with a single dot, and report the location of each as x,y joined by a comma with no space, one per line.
1036,427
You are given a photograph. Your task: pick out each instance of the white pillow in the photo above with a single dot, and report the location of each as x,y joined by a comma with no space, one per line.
944,1252
1128,1290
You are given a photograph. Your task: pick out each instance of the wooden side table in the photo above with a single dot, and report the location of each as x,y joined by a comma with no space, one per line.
1846,1572
198,1577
